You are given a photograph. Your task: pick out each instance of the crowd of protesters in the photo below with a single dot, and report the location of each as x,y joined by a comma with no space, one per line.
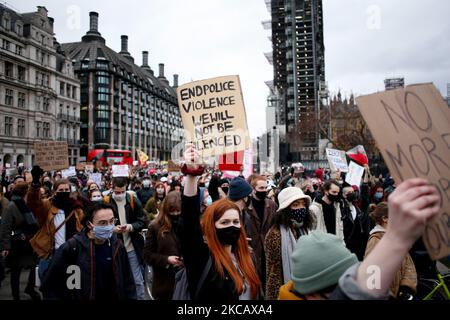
292,234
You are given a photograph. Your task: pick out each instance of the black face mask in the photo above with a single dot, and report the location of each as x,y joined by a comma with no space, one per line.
315,187
333,198
48,184
298,214
229,235
225,189
351,197
61,199
261,195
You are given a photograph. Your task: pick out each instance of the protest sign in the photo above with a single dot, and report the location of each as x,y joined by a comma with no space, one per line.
96,177
68,172
172,166
51,155
337,160
21,164
248,163
359,155
89,168
354,174
411,127
7,165
213,115
135,163
120,170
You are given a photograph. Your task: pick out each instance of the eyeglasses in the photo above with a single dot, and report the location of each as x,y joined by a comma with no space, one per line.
103,223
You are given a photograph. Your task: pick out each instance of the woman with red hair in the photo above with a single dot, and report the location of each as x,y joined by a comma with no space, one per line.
219,235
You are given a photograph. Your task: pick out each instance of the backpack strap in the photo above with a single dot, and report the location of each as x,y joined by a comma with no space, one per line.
203,277
132,201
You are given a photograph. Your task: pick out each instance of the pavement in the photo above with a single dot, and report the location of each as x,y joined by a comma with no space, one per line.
5,289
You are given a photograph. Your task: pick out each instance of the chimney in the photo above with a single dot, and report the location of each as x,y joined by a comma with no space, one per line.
161,70
145,58
93,34
124,44
175,81
93,21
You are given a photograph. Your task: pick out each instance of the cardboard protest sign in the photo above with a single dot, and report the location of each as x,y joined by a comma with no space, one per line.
231,161
337,160
68,172
213,115
172,166
354,174
51,155
120,170
411,127
96,177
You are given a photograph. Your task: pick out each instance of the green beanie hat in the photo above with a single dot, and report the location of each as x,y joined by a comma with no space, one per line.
318,261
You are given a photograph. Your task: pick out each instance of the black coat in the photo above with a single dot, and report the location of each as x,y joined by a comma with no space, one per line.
135,217
196,254
145,194
356,232
82,254
21,253
156,251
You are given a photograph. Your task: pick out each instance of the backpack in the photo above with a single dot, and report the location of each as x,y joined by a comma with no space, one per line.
107,199
181,288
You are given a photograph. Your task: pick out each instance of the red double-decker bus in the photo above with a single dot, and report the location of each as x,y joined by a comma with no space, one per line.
110,156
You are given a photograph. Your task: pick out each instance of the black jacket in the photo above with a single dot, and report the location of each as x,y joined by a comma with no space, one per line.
81,253
356,232
196,254
135,217
145,194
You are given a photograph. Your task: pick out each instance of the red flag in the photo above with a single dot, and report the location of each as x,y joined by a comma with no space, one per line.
359,155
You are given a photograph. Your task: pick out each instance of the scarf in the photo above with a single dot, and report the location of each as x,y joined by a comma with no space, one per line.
287,246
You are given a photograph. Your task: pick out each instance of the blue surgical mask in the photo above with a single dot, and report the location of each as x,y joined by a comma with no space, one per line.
103,232
208,201
378,195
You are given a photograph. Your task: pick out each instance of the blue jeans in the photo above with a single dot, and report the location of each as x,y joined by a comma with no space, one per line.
137,270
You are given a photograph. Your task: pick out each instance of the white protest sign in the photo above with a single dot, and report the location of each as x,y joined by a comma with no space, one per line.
121,170
337,160
21,164
354,174
96,177
68,172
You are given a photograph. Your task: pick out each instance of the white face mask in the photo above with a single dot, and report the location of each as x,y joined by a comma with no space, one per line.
73,189
160,191
118,197
97,198
146,183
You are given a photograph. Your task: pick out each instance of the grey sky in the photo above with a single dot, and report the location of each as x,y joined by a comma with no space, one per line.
365,40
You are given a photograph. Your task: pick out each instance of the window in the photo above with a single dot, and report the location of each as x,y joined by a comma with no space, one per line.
38,129
61,88
46,130
6,23
46,104
21,127
9,69
74,92
19,50
19,29
21,100
21,73
9,97
8,126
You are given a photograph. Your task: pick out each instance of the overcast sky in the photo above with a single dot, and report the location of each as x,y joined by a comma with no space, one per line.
365,40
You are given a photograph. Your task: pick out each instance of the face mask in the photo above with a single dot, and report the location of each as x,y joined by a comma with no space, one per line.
160,191
261,195
61,198
48,184
225,189
229,235
97,199
103,232
206,184
351,197
315,187
333,198
174,217
378,195
118,197
208,201
146,184
73,189
298,214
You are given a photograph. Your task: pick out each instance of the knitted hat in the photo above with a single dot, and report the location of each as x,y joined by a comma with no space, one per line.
289,195
318,261
239,189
